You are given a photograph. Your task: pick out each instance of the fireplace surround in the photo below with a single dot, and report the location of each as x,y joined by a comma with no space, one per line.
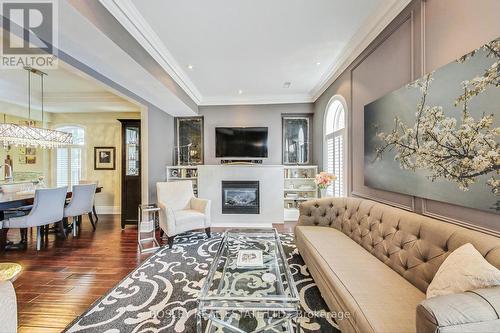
240,197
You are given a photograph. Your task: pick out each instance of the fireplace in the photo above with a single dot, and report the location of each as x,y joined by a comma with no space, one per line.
240,197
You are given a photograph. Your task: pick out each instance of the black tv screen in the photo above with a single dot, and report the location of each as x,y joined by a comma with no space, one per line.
241,142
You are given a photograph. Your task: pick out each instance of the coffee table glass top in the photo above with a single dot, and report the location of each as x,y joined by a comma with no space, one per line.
250,264
249,287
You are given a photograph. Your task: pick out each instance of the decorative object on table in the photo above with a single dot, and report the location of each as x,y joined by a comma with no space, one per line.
323,180
30,135
296,138
188,141
104,158
41,182
146,228
438,138
8,170
249,258
9,271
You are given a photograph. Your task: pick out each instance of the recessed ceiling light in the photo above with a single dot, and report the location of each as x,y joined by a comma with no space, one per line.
318,63
240,92
190,67
287,84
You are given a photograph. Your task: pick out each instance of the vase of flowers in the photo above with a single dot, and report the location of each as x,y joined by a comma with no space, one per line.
323,180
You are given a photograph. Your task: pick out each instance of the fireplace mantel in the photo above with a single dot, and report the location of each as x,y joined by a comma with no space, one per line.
270,178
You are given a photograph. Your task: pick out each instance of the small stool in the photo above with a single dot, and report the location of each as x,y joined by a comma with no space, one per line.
146,224
9,271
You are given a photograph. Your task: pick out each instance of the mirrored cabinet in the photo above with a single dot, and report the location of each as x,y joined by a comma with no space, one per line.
188,148
296,139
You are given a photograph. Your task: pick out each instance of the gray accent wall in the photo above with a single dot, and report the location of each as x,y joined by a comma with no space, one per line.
248,115
160,147
425,36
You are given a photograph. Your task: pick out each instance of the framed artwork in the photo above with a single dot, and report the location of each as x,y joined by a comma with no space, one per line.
104,158
22,159
30,151
438,138
22,151
30,159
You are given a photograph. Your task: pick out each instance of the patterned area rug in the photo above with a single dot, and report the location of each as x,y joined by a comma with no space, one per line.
160,295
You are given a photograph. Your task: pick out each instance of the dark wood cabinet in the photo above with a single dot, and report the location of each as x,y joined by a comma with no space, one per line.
131,170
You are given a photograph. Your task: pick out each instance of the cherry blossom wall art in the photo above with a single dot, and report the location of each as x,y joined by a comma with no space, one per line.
439,137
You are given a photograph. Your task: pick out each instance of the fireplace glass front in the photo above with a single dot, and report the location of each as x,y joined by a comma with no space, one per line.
240,197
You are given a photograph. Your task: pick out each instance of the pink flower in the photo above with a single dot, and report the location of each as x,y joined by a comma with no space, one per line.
324,179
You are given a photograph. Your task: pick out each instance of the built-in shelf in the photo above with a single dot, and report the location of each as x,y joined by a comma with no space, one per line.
295,176
183,172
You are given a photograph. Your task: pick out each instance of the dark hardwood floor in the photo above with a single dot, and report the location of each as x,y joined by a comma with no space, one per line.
63,279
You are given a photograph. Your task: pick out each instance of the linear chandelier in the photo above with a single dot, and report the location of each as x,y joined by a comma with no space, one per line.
29,135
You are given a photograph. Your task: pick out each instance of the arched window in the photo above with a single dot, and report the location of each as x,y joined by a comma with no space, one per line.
334,158
70,159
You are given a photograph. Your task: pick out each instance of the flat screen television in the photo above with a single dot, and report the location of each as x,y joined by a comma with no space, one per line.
250,142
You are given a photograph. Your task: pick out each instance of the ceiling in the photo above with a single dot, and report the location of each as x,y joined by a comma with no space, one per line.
244,52
65,90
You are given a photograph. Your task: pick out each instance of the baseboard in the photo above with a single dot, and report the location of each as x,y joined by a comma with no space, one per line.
107,210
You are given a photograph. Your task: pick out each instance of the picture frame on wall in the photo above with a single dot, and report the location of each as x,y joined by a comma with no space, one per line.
104,158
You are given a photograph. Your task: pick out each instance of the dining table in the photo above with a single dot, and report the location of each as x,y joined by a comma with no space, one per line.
11,200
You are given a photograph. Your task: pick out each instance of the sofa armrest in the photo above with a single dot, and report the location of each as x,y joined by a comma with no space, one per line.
203,206
472,311
8,307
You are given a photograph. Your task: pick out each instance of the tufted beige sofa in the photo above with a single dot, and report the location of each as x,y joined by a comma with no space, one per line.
375,262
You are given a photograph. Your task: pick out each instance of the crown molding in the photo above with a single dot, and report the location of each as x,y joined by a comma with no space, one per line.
256,100
370,29
130,18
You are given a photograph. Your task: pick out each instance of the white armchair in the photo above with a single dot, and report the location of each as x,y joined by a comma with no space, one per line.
180,210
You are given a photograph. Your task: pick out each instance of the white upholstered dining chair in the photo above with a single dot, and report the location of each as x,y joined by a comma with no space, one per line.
48,208
91,181
180,210
82,201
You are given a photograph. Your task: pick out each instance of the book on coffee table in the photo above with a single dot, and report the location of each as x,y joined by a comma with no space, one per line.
249,258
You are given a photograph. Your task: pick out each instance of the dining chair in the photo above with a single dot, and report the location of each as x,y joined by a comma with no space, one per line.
91,181
81,203
48,208
180,210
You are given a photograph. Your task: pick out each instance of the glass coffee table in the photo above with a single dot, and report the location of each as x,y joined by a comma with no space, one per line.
249,287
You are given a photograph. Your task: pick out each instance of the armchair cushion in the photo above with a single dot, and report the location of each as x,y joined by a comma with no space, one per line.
188,216
201,205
